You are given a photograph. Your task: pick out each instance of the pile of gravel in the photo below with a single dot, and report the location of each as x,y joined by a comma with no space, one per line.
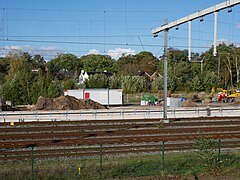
189,103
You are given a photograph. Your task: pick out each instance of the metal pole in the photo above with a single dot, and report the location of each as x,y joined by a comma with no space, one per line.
219,149
108,96
100,168
215,34
163,168
32,147
218,65
189,39
0,104
165,70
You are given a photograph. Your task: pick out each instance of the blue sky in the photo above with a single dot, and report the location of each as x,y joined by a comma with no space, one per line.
108,26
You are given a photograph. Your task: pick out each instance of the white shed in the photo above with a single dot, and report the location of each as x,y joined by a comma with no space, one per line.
102,96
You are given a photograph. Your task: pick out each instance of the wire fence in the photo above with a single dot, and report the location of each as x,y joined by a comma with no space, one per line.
109,164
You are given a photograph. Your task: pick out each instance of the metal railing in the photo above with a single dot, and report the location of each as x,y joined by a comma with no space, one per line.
23,116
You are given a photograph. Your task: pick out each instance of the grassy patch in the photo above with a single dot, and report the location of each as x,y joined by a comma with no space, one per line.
176,164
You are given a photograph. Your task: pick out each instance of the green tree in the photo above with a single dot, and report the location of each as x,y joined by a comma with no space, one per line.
55,89
4,68
133,84
132,64
19,79
157,84
22,85
68,62
97,62
38,62
69,84
179,75
147,62
115,82
225,65
97,81
127,66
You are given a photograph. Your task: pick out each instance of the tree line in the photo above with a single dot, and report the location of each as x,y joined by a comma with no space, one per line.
23,78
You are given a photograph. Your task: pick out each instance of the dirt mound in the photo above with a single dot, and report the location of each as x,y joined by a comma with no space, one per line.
66,103
90,104
237,101
188,103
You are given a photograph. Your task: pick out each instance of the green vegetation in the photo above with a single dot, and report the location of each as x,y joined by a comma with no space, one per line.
22,74
185,165
207,149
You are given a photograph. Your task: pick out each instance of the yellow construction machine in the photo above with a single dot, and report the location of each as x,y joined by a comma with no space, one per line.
225,95
231,97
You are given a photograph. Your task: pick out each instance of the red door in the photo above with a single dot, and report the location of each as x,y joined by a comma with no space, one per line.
87,95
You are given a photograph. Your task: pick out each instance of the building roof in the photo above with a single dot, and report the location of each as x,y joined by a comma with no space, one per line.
95,72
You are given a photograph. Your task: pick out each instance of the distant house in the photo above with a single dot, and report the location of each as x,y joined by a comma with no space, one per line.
155,75
36,70
148,76
94,73
84,75
64,73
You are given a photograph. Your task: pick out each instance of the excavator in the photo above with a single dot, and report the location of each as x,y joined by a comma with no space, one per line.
231,97
225,95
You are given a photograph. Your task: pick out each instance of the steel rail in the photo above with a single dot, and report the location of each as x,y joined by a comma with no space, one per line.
57,135
115,139
133,125
168,145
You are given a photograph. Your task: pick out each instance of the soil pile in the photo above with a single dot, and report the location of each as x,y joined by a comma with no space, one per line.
188,103
237,101
66,103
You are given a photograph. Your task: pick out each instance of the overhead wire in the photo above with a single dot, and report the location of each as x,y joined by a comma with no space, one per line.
83,21
126,20
96,10
92,43
104,21
107,36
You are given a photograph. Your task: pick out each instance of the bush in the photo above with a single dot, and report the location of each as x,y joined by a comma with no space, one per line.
207,149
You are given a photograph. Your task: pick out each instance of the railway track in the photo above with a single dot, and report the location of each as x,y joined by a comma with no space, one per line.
52,139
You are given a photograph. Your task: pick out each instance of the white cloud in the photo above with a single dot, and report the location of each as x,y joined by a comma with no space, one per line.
93,51
47,52
119,52
6,49
25,47
51,48
223,40
227,42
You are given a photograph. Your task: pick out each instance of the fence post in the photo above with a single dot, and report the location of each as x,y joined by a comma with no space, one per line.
208,111
32,147
219,150
100,168
163,168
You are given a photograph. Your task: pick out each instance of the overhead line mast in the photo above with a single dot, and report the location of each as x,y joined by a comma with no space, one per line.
200,14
